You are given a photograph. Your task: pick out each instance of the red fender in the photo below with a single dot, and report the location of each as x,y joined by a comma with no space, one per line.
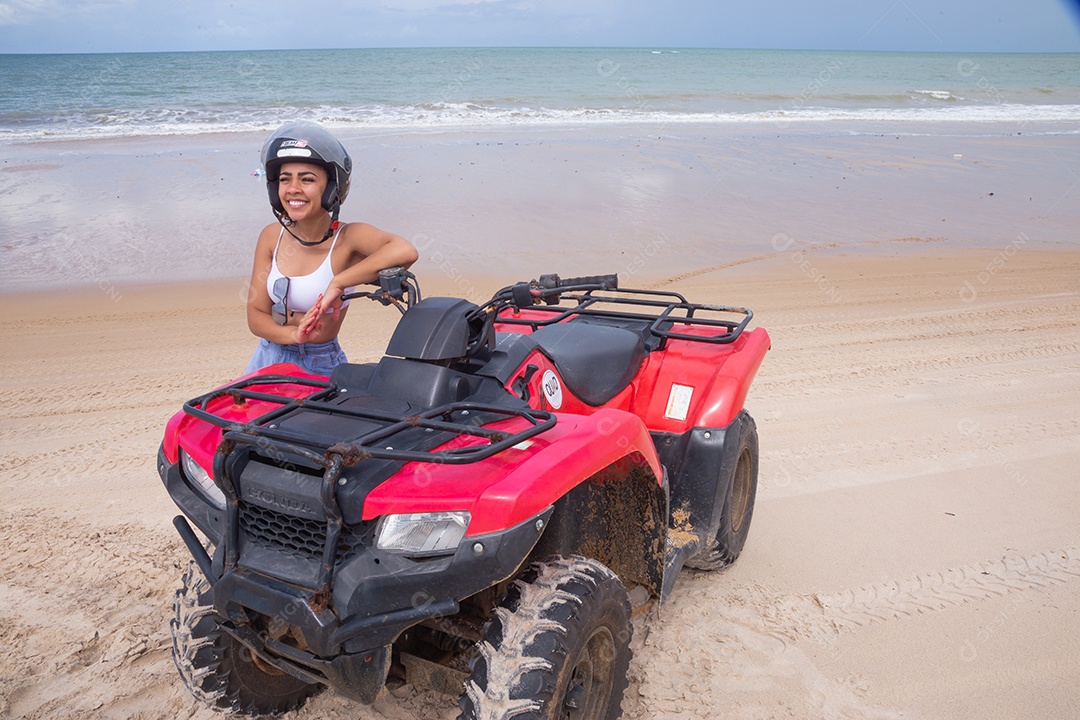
711,382
520,482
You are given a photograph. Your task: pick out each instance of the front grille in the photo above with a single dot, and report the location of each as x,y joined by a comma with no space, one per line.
297,536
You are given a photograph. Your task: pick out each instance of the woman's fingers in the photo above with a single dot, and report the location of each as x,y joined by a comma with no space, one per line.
331,300
311,322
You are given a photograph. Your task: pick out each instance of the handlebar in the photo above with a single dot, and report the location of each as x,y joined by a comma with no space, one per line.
549,289
398,287
395,289
585,282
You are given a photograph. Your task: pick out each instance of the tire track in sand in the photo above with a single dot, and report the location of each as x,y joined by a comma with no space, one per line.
748,651
819,615
780,253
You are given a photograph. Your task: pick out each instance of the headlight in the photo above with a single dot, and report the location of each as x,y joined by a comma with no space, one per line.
195,472
430,532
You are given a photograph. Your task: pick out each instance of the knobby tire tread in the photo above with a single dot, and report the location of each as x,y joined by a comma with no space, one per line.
547,616
206,658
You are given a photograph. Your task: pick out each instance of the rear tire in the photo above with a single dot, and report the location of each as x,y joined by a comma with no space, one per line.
558,647
218,669
738,504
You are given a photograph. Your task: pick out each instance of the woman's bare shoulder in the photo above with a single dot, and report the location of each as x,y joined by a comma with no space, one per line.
272,230
268,237
356,230
366,237
359,237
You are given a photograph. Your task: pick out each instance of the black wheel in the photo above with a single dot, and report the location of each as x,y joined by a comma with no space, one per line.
219,670
738,504
558,647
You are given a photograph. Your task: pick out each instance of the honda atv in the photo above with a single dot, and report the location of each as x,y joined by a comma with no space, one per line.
481,511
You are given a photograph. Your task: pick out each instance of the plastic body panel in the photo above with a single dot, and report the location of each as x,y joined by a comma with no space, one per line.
518,482
201,439
701,463
716,378
374,591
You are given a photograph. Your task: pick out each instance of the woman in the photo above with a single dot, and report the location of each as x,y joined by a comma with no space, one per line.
307,260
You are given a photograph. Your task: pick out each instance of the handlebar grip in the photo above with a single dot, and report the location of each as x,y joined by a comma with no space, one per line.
607,282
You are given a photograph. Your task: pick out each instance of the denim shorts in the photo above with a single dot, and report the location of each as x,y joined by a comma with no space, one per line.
316,358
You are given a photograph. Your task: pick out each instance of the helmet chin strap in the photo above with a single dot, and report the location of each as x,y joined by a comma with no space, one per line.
329,231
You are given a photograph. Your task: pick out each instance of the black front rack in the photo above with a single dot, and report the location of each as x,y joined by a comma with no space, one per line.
457,419
670,311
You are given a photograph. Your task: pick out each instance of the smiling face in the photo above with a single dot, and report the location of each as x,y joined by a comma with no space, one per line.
300,188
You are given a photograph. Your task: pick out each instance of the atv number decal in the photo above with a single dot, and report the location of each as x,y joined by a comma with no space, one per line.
552,389
678,402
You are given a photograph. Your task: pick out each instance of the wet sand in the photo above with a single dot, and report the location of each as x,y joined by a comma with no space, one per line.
653,202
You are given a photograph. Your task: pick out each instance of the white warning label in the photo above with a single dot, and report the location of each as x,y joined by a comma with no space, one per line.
678,402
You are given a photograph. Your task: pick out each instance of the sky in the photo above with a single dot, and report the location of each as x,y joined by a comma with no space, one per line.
31,26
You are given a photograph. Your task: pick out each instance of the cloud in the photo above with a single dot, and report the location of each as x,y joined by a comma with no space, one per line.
504,8
503,22
140,25
425,6
26,12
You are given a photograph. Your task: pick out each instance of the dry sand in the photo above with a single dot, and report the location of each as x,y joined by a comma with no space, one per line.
915,550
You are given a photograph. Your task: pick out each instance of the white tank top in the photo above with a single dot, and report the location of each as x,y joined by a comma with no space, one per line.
304,290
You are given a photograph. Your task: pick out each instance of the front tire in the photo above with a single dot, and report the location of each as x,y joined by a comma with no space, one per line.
218,669
738,504
558,647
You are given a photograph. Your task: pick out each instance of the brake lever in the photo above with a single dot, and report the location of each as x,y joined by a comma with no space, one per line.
393,285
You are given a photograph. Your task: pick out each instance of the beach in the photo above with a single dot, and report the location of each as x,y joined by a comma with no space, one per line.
914,550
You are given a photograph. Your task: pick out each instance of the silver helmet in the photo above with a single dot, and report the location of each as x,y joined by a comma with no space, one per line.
309,143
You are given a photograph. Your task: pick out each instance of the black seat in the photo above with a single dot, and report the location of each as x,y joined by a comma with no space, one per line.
595,361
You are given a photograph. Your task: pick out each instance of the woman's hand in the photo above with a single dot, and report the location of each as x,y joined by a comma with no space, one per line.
310,323
331,300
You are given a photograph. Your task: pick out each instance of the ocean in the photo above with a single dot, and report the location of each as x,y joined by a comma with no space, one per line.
56,97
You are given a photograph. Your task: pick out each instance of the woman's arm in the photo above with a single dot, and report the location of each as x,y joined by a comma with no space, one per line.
370,250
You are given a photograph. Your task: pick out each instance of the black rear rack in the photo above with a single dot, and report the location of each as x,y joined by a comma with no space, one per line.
670,310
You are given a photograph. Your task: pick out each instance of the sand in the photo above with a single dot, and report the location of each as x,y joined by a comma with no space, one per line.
915,550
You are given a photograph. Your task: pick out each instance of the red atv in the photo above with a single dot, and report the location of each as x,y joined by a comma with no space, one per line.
481,511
